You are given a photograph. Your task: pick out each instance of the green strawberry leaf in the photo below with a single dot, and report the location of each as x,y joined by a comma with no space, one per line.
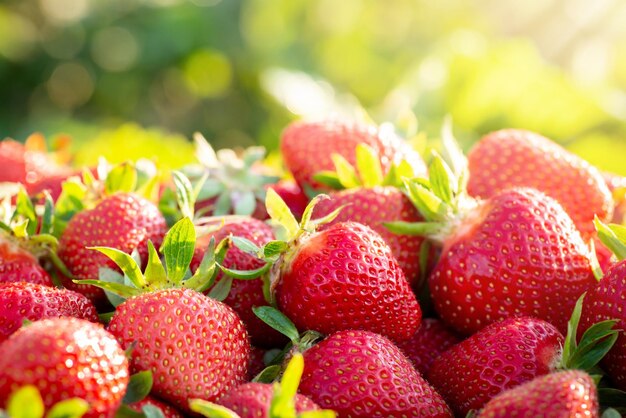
155,272
222,204
328,178
268,374
126,263
26,209
246,245
47,219
210,410
453,153
426,201
442,180
139,387
184,194
246,274
119,289
122,178
245,204
178,248
204,276
594,345
612,398
613,236
26,402
345,172
570,345
221,290
326,219
279,212
124,411
611,413
151,411
273,249
69,408
305,222
106,317
149,189
210,188
414,228
70,201
368,166
277,320
108,275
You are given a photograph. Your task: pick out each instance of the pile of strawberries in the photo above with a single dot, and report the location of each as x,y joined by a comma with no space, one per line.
368,284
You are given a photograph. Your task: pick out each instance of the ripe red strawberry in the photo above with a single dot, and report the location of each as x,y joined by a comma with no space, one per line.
517,158
501,356
569,393
21,300
124,221
293,195
373,207
257,363
167,410
430,340
345,277
253,400
244,294
12,161
617,187
307,147
17,264
362,374
196,347
65,358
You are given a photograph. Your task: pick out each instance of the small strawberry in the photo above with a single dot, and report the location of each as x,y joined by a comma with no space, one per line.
17,264
65,358
518,158
343,277
517,253
506,354
430,340
244,294
564,394
124,221
30,301
307,148
195,346
362,374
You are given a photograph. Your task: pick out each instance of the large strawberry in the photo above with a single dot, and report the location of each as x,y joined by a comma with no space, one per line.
307,147
124,221
30,301
511,352
343,277
195,346
516,253
362,374
518,158
244,294
65,358
570,393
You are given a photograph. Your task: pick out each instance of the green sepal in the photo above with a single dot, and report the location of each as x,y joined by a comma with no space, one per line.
70,202
442,180
47,218
268,374
613,236
368,166
185,196
151,411
329,179
277,320
246,246
273,249
117,288
124,411
611,413
612,398
178,248
326,219
223,204
149,189
415,228
431,206
26,210
453,154
572,328
126,263
108,275
278,210
69,408
106,317
345,172
204,276
246,274
139,387
155,274
26,402
397,172
121,178
245,204
210,410
283,404
596,268
221,289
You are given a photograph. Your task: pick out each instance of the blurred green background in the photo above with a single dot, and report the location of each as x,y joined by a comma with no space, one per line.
142,75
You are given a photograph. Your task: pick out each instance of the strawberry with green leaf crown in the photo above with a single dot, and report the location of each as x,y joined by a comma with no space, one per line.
21,301
509,353
371,199
606,301
195,346
243,294
569,393
518,158
344,277
517,253
111,213
65,358
307,147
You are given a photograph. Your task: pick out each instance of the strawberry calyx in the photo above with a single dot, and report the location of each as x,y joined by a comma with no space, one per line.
613,236
233,182
283,404
26,402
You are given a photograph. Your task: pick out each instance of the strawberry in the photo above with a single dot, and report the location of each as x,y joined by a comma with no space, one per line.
257,362
564,394
253,400
517,253
518,158
17,264
307,148
430,340
501,356
362,374
124,221
168,411
293,195
617,187
65,358
244,294
12,161
21,300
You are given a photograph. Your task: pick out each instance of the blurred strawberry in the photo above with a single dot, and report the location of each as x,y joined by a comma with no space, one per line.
293,195
17,264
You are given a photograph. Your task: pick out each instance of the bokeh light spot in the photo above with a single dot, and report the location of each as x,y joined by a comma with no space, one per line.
70,85
208,73
115,49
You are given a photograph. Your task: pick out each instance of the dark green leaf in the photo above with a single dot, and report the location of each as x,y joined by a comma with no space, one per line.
273,249
139,387
328,178
246,245
572,327
221,289
246,274
184,194
47,219
268,374
277,320
178,248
